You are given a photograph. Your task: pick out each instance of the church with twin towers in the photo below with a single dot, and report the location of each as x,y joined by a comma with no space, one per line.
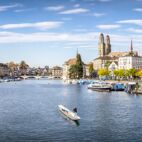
104,45
105,54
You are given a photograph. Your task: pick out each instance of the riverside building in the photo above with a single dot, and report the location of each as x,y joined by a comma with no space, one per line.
130,61
106,55
57,72
67,65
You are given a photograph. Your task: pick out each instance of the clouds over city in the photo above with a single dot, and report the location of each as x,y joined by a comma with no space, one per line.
133,21
9,6
70,21
12,37
108,27
54,8
104,0
39,25
137,9
98,14
75,11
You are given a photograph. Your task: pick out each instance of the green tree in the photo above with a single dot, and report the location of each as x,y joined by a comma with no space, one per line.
131,73
1,73
107,64
12,67
73,72
116,73
79,66
103,72
23,67
121,73
76,70
91,69
139,73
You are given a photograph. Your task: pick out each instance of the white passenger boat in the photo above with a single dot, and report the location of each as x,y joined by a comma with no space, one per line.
70,114
100,86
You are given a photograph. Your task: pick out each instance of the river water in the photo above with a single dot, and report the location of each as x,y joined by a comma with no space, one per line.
29,113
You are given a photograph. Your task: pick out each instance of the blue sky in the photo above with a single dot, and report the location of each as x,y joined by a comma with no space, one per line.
48,32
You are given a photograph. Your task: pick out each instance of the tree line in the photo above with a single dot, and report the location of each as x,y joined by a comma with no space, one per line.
121,73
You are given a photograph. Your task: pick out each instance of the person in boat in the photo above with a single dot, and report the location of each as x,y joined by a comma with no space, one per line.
75,110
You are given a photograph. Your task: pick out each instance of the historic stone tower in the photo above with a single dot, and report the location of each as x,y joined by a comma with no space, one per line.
107,45
101,46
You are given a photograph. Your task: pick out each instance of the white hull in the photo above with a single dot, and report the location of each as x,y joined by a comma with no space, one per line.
100,86
68,113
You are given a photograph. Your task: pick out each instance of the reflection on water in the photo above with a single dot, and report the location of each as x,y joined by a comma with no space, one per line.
29,113
73,122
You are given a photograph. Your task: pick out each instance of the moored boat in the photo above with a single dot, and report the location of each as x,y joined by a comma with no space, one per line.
117,87
100,86
70,114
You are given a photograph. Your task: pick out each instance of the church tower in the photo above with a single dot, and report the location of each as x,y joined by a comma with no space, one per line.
131,47
131,52
108,45
101,46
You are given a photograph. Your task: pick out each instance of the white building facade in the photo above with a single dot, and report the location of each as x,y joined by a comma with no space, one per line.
113,66
129,62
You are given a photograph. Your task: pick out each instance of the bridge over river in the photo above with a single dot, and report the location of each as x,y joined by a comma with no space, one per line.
38,77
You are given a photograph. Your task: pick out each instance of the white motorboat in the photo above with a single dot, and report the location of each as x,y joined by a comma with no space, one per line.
70,114
100,86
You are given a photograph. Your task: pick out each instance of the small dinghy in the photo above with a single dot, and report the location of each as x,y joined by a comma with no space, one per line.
70,114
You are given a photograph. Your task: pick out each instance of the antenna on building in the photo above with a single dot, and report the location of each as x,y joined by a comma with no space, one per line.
77,51
131,48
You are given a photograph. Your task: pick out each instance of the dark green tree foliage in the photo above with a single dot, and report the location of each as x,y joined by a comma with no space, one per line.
107,64
73,72
91,69
76,71
23,65
79,66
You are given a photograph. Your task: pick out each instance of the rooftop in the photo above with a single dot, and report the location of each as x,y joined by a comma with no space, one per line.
71,61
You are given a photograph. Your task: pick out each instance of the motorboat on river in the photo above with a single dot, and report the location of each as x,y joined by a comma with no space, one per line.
100,86
70,114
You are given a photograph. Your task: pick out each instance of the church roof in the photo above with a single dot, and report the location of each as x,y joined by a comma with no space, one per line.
71,61
117,54
116,62
106,58
132,55
57,68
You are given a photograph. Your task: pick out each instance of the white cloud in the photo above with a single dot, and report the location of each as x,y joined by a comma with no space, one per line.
23,10
89,0
11,37
77,5
134,30
104,0
108,27
81,30
75,11
99,14
39,25
73,0
138,9
118,42
7,37
135,21
54,8
7,7
66,18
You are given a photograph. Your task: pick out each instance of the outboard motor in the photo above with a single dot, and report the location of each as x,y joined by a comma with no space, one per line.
75,109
